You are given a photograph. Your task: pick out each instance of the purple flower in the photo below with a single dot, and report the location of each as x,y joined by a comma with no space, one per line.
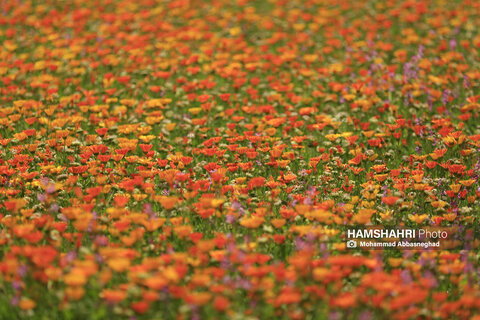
407,254
431,277
101,240
231,246
466,81
99,258
468,268
54,207
452,44
230,218
445,96
430,102
50,189
241,255
293,203
16,285
70,256
385,189
299,244
420,51
335,315
22,270
243,284
310,237
238,207
225,263
147,207
195,313
406,277
365,315
409,71
41,197
15,300
308,201
311,190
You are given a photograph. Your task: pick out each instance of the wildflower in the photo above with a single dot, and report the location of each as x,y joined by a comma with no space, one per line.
26,304
113,296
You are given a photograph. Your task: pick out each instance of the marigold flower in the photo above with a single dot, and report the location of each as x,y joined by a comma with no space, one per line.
113,296
26,304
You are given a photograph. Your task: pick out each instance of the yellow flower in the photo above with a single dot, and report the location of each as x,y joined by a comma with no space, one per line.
252,222
170,126
235,31
320,216
363,216
419,218
119,264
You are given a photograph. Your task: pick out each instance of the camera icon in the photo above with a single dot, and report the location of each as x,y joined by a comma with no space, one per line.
351,244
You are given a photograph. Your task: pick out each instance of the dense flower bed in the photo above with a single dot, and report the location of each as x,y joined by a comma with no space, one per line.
202,159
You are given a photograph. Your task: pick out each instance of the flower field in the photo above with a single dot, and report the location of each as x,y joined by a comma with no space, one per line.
203,159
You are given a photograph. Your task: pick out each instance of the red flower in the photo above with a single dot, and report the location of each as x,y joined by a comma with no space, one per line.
221,303
457,169
279,238
224,96
140,306
101,131
121,201
146,147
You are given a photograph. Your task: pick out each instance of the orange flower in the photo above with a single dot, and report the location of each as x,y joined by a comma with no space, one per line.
252,222
221,303
363,216
256,182
26,304
43,256
75,278
113,296
168,203
121,200
288,296
419,218
74,293
119,264
344,300
199,298
390,200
